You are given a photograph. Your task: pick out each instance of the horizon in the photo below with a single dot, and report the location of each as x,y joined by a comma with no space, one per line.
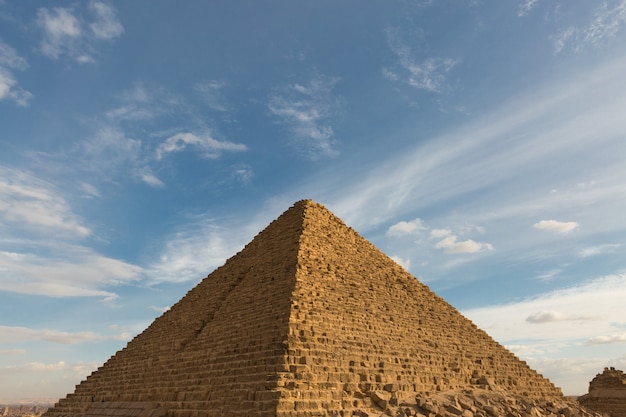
479,144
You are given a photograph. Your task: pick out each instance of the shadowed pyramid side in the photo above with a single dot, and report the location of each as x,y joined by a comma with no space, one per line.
220,348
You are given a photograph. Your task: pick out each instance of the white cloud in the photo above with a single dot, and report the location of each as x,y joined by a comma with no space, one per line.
149,178
404,263
556,226
64,30
61,30
428,74
210,147
607,20
30,203
243,173
106,25
307,111
403,228
526,6
450,245
10,59
9,88
90,190
549,275
439,233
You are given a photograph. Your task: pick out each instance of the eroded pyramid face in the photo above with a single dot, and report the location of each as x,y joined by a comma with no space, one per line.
308,318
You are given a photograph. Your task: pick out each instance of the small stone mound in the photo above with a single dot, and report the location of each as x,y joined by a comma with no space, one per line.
607,393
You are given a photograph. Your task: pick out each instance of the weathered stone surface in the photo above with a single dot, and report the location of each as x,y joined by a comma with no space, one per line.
308,319
607,393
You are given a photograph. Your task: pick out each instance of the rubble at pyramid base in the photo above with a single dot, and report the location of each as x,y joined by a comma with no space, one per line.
471,402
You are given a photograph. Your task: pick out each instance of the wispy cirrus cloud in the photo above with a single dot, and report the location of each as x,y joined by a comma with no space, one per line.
211,93
129,139
37,255
526,6
33,367
60,270
306,110
607,20
9,87
74,32
137,104
25,334
598,250
428,74
30,203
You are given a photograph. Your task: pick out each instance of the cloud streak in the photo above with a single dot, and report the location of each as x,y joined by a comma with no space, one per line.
72,272
27,202
554,316
428,74
306,110
210,147
32,262
9,88
25,334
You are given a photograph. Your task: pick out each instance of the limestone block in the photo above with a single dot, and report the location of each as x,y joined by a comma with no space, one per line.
380,398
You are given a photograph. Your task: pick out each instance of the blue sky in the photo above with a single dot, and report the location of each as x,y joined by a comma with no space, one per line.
481,144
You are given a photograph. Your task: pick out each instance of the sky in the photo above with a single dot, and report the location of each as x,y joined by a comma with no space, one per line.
480,144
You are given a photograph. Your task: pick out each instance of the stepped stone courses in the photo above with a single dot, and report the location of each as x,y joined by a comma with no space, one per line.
607,393
309,319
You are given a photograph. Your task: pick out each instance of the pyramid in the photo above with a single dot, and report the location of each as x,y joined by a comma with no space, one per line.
308,319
